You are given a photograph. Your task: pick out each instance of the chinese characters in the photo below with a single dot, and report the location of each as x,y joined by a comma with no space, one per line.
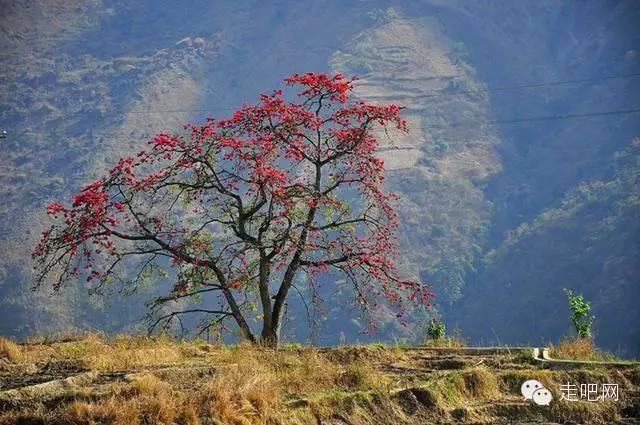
589,392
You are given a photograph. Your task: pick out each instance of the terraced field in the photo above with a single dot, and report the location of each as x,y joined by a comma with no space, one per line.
140,380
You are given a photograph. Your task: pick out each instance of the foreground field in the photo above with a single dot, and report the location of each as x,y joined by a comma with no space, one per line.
137,380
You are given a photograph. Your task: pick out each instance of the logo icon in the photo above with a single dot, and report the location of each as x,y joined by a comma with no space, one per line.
535,391
542,397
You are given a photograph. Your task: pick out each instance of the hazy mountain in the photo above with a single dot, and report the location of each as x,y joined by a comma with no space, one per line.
500,212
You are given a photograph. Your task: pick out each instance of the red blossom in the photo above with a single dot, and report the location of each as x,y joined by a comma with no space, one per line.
317,84
295,184
54,208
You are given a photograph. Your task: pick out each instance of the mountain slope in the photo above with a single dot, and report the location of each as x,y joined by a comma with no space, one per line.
494,214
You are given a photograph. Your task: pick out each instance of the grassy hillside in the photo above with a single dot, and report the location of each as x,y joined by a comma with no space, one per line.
129,380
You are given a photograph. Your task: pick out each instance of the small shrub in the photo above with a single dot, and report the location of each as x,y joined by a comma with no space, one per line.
437,336
580,310
436,330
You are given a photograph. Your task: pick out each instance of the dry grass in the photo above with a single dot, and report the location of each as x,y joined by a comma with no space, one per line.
466,387
94,351
164,381
244,384
605,412
573,348
239,398
248,387
579,349
481,384
446,342
362,377
11,351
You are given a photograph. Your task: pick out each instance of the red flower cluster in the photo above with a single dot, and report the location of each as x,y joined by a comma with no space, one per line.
297,183
318,84
54,208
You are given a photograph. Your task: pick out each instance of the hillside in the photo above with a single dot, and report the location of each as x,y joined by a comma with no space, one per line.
601,216
129,380
498,213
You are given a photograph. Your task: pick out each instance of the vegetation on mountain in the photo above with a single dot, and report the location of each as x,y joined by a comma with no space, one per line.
591,236
498,214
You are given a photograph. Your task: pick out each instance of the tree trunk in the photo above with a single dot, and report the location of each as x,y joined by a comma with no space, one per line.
245,330
265,299
270,338
270,335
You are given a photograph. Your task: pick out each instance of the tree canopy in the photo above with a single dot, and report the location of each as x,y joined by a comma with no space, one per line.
243,209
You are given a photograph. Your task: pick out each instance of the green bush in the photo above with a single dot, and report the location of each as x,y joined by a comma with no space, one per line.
580,310
436,330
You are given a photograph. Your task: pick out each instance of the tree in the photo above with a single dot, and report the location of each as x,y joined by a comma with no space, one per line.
580,310
240,209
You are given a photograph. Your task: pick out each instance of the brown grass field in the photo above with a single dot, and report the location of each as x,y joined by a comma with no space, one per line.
90,379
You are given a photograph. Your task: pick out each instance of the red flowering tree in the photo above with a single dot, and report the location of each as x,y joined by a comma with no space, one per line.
240,208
